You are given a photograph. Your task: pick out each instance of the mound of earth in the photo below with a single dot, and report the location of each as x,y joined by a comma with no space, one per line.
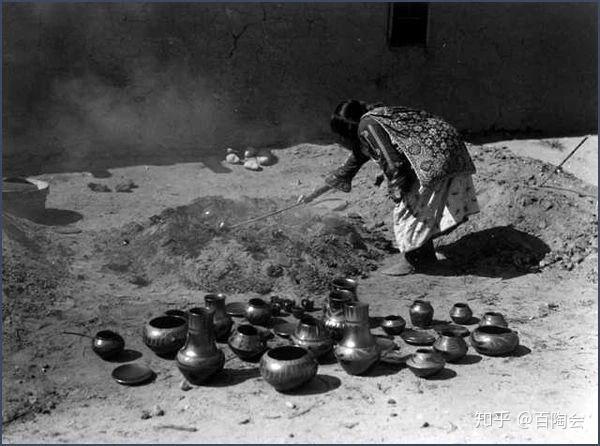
297,252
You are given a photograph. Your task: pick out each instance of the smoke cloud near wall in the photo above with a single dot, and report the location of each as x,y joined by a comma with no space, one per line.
100,85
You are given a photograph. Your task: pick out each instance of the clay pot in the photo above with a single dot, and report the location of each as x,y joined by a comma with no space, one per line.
460,313
24,197
345,283
451,346
339,296
286,368
199,358
393,325
334,317
493,318
258,312
358,350
164,335
107,344
421,313
425,362
492,340
247,343
312,335
222,322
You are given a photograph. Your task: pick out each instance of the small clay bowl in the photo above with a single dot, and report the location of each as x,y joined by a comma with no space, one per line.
247,342
165,335
493,318
492,340
458,330
286,368
425,362
460,313
107,344
258,312
393,325
345,283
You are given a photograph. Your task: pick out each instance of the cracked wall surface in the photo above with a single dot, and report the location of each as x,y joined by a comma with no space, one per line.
132,80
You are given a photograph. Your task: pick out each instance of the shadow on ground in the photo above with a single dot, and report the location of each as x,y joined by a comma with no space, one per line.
503,252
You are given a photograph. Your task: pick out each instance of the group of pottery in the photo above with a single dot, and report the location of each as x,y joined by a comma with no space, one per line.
492,337
190,337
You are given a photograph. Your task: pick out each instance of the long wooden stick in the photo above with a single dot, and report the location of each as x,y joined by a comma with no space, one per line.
564,161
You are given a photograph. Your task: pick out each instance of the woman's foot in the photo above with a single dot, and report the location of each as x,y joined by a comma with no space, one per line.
410,261
401,267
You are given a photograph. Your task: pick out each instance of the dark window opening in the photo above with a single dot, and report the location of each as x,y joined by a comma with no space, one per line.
407,24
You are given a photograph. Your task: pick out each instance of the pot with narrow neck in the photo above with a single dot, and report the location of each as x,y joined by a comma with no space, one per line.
199,358
358,350
222,322
334,313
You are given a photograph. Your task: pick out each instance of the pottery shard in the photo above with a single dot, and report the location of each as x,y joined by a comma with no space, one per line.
252,164
232,158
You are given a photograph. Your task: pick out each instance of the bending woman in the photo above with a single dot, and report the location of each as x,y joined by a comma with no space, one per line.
428,171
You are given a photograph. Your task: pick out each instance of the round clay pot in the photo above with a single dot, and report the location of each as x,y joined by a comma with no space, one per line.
492,340
421,313
460,313
452,346
493,318
108,344
164,335
393,325
258,312
312,335
247,343
286,368
425,362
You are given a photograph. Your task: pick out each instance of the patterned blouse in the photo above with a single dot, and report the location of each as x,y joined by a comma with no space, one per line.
408,145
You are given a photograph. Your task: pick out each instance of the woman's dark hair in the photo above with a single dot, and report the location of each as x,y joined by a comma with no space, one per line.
346,117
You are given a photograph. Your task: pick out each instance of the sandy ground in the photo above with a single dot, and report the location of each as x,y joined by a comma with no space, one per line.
56,390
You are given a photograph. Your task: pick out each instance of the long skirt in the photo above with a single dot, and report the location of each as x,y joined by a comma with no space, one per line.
423,212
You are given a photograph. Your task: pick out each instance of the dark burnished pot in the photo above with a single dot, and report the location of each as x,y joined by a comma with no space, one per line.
421,313
460,313
393,325
312,335
286,368
493,340
199,358
164,335
425,362
334,313
247,343
258,312
493,318
450,345
358,350
345,283
222,322
108,344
